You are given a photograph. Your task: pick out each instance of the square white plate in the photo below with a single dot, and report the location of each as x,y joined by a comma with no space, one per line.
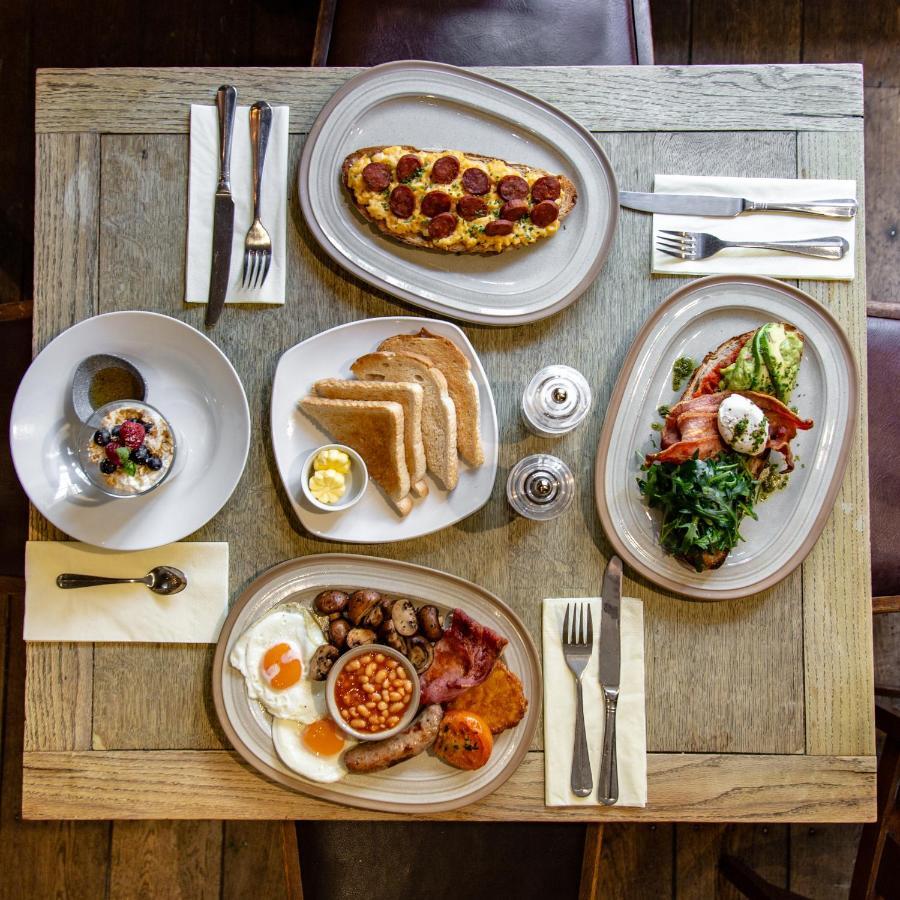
294,435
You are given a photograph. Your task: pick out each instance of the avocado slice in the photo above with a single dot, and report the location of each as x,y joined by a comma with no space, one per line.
740,374
781,350
762,381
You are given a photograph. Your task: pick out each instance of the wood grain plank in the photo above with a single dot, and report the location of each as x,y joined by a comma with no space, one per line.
837,597
746,31
637,861
671,32
883,201
165,859
253,861
868,33
822,858
609,98
216,784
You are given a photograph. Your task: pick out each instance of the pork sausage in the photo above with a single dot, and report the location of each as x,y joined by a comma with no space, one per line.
445,170
545,188
512,187
470,207
544,213
407,166
441,226
377,176
476,181
434,203
372,756
403,202
498,228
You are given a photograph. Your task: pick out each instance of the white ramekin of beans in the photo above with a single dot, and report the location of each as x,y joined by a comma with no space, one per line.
372,692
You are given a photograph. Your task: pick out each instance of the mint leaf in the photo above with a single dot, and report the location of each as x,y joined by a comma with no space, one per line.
130,467
123,453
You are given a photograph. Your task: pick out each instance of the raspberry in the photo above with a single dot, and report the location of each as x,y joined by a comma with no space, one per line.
112,453
131,434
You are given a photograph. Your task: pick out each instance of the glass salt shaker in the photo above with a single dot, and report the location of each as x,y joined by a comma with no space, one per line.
556,401
540,487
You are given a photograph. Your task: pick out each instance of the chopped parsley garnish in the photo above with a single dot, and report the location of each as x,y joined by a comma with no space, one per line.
740,427
682,369
663,410
656,426
702,503
414,177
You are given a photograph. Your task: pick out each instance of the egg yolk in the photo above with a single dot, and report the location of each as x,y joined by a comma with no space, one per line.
323,738
281,666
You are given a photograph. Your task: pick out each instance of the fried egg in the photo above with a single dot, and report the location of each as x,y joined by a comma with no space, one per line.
315,750
274,657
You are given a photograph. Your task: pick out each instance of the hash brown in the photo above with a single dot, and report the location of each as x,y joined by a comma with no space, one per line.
499,699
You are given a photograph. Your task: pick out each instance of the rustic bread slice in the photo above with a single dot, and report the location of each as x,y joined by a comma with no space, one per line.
438,411
461,385
408,395
567,202
374,429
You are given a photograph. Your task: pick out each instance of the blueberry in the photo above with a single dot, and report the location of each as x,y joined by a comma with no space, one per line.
154,462
106,467
148,426
140,456
101,437
115,431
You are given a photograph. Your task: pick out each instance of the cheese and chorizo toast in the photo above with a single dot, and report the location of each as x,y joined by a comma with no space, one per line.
456,201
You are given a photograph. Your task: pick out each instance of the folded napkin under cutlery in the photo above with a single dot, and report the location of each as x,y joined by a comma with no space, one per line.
125,612
756,226
559,708
204,173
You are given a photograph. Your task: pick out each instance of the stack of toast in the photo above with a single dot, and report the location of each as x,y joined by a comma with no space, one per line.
413,406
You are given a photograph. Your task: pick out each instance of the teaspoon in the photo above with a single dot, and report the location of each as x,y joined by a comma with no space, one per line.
161,580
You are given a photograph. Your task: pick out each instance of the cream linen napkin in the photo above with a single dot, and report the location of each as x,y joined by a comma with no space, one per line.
766,226
125,612
203,180
559,708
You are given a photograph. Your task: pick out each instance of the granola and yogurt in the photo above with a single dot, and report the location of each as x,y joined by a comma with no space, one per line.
129,448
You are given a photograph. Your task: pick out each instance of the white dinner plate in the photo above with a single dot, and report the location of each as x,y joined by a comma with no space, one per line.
192,384
694,320
420,785
436,106
294,436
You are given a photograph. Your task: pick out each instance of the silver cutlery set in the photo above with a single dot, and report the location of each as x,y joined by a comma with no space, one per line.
257,244
578,644
690,245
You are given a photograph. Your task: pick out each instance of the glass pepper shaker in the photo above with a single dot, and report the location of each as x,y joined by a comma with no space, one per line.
540,487
556,401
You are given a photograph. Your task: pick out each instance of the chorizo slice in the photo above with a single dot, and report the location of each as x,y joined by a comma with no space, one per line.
407,166
402,202
442,226
476,181
434,203
513,210
470,207
445,170
499,228
512,187
545,188
377,176
544,213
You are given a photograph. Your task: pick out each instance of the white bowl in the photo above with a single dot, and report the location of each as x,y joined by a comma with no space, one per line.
356,480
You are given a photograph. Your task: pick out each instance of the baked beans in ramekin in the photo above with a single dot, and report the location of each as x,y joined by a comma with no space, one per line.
372,692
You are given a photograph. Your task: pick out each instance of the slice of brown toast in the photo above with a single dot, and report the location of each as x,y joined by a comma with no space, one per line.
374,429
438,411
568,198
409,396
461,384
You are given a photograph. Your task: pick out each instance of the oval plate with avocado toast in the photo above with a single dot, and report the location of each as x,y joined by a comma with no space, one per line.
693,321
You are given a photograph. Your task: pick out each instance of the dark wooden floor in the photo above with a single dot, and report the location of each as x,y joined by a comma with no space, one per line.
203,859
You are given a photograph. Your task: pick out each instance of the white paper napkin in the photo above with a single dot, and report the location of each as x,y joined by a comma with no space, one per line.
767,226
559,708
203,179
125,612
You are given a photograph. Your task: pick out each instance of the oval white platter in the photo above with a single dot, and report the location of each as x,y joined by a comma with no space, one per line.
436,106
189,380
372,520
420,785
692,321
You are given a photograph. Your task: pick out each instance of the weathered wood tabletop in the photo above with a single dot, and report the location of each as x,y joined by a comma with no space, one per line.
757,709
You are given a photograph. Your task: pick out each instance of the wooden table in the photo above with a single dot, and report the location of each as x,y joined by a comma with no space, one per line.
757,710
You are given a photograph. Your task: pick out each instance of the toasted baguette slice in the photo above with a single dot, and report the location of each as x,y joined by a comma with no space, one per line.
408,395
460,383
438,411
374,429
462,241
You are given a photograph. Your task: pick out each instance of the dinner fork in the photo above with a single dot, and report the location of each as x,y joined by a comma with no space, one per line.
694,245
578,645
258,244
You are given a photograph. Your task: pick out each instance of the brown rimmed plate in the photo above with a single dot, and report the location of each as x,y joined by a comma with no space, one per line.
420,785
691,322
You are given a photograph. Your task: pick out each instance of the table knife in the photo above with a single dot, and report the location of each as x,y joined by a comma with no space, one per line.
223,212
610,653
700,205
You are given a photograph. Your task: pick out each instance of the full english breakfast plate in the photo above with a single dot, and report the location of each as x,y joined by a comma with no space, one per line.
512,174
767,368
451,707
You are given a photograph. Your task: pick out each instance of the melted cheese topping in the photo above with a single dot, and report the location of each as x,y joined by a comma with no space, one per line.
468,235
